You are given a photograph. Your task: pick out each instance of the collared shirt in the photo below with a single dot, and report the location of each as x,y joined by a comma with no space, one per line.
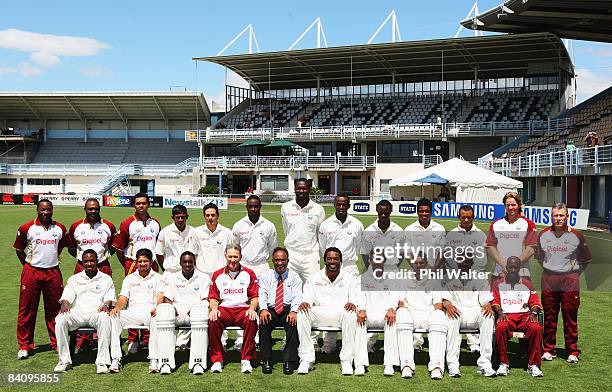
430,240
292,289
471,293
423,294
234,292
42,245
139,290
472,241
135,234
257,240
172,242
565,253
98,237
374,237
85,293
511,238
344,236
211,247
301,227
377,295
320,291
181,290
519,299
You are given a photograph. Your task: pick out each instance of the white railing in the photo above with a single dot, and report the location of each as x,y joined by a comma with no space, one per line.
288,162
432,160
62,169
572,162
363,132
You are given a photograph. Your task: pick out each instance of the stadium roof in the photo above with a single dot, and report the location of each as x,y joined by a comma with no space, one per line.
579,19
122,106
415,61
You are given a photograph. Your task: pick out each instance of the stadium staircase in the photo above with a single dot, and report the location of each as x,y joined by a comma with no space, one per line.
117,182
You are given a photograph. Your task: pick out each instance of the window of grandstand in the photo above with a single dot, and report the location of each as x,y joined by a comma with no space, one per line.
321,149
557,181
406,151
351,185
275,183
214,180
8,181
384,186
43,181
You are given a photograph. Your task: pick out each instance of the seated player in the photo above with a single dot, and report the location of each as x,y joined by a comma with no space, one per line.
184,296
138,292
329,300
517,306
85,301
469,306
233,299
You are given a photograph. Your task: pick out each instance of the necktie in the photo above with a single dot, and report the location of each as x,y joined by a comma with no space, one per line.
280,292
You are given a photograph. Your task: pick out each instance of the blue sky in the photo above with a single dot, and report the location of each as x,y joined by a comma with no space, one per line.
148,45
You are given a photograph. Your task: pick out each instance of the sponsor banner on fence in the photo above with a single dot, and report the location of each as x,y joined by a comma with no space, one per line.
578,218
195,202
126,201
18,200
487,212
400,208
70,200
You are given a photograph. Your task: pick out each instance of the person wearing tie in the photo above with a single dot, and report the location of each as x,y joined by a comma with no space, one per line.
280,295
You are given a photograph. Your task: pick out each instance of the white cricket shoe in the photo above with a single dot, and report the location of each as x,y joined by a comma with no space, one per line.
407,372
216,367
503,370
165,369
535,371
474,348
488,372
304,367
328,348
197,369
418,348
245,366
572,359
153,366
548,356
61,367
22,354
101,369
114,366
454,373
238,344
347,368
133,347
371,348
436,374
388,370
359,370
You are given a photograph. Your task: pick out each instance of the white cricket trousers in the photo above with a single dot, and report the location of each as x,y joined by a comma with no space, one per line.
134,316
437,324
194,315
305,265
84,317
326,316
376,319
471,317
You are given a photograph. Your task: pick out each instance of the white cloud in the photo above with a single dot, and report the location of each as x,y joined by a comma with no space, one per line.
26,69
45,59
94,71
7,70
233,79
590,83
605,51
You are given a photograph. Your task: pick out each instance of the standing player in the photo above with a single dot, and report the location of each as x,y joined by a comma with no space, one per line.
233,300
38,245
517,305
86,300
301,219
564,255
512,236
175,239
329,300
139,231
382,234
212,239
427,235
138,292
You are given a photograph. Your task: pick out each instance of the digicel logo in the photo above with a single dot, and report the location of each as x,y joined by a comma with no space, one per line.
144,238
512,301
230,291
46,242
91,241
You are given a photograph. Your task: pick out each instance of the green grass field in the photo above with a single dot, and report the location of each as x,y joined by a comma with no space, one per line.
589,374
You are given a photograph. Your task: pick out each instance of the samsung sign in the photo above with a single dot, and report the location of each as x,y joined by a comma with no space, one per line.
487,212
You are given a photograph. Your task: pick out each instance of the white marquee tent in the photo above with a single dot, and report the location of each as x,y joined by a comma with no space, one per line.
473,183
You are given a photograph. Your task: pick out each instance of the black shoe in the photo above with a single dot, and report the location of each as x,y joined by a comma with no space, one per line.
266,367
288,368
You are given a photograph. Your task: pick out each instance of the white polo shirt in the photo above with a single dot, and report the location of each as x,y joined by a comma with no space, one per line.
135,234
511,238
377,295
373,237
471,293
98,237
89,294
430,239
301,227
257,240
320,291
234,292
180,290
473,241
344,236
139,290
564,253
41,245
211,247
421,297
172,242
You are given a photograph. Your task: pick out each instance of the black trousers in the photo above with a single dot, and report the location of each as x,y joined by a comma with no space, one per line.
265,337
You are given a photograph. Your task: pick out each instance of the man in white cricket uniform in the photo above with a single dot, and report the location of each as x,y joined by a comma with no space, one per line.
85,301
138,292
377,309
469,306
175,239
329,300
301,219
185,297
383,234
421,307
426,236
212,239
